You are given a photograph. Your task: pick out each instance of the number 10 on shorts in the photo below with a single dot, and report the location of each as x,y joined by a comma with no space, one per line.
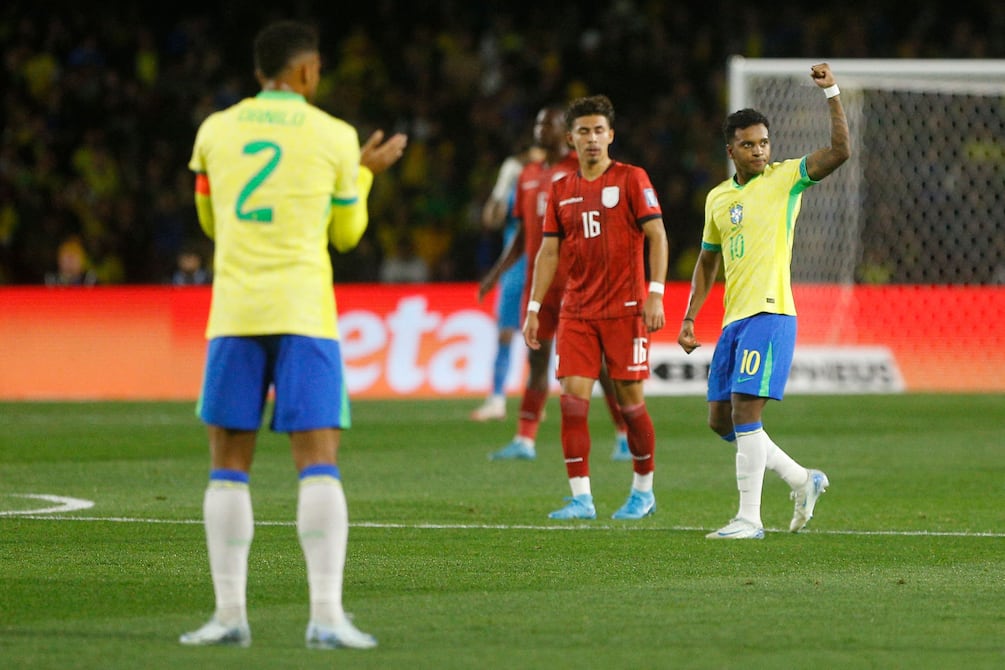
751,362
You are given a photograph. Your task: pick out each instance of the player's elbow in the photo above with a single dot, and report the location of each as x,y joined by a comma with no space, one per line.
841,153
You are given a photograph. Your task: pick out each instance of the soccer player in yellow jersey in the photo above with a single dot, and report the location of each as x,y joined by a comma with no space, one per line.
277,180
749,223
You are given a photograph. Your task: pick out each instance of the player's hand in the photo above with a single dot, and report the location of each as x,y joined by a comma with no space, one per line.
686,339
530,331
652,312
378,157
822,75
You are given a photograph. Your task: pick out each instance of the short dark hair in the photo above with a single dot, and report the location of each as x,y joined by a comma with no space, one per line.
742,119
279,43
594,105
554,108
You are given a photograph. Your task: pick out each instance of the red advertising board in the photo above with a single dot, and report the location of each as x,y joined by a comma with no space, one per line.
437,340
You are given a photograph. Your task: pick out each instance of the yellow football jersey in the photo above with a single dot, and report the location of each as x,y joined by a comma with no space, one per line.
273,167
753,225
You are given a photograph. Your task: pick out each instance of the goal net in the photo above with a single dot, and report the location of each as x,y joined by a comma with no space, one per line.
922,199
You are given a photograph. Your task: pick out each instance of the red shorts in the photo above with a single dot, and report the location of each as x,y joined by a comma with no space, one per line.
582,344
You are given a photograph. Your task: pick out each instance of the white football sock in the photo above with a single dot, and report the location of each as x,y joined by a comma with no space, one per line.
642,483
230,526
323,527
751,453
580,486
782,464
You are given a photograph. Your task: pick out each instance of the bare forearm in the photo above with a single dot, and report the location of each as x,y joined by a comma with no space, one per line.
493,214
701,283
510,255
659,250
545,266
506,259
840,136
824,161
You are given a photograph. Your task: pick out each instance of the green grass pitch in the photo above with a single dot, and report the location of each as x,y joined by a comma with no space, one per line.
453,562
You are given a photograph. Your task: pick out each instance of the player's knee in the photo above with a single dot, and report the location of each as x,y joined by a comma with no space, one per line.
720,426
574,408
720,418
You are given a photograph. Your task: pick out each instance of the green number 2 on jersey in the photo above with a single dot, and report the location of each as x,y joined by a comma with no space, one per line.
262,214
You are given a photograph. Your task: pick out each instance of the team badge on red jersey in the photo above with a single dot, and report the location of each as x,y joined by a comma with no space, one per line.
610,196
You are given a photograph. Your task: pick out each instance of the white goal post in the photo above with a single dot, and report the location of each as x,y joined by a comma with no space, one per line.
922,200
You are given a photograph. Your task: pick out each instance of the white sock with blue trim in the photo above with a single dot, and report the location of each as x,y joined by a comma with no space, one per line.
323,527
784,465
751,454
230,527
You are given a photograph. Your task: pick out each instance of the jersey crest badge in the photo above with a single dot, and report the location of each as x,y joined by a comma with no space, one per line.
736,214
610,196
650,196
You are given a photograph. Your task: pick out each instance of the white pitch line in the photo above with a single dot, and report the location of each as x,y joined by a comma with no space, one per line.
65,504
532,527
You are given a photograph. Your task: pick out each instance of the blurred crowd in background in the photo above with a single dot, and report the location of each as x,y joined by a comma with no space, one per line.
101,104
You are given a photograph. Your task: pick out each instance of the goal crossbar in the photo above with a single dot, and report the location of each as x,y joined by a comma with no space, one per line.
975,77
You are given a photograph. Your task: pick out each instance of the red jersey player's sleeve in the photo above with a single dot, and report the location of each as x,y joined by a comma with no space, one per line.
644,201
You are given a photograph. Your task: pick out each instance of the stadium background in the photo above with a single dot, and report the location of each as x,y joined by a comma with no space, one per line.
101,106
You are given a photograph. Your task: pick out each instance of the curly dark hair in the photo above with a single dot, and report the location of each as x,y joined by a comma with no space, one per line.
279,43
742,119
594,105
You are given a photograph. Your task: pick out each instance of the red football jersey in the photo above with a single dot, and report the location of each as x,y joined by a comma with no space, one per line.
599,224
532,190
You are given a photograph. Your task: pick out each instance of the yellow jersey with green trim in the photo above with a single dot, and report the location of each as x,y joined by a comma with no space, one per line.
272,168
752,225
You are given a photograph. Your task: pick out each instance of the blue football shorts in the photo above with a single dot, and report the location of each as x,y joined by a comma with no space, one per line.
510,296
753,356
305,374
